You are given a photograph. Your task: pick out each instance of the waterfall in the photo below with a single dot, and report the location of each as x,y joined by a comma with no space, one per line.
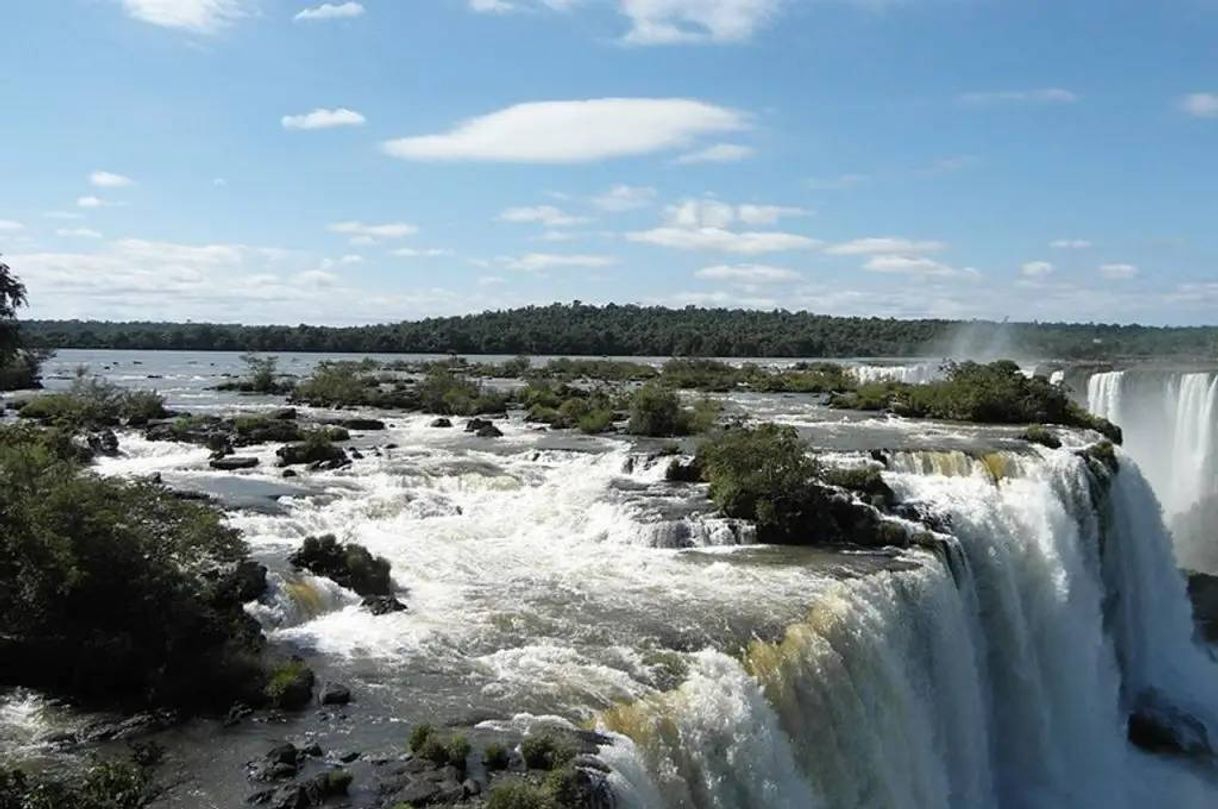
1168,421
1005,682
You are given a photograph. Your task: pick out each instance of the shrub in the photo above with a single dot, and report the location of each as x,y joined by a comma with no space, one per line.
22,370
347,564
764,474
1039,434
420,735
656,411
440,751
545,751
92,402
101,785
520,795
290,685
596,421
496,757
111,591
443,392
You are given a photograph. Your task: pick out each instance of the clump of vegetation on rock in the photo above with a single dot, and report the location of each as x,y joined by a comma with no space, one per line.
114,592
290,686
447,393
92,402
261,376
428,743
656,410
545,751
100,785
347,564
1039,434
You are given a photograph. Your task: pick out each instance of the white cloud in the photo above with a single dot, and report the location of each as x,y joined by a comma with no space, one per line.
1200,105
317,278
913,265
63,215
625,198
1035,269
838,183
9,226
573,131
718,153
1118,272
78,233
1044,95
89,202
700,213
199,16
748,273
768,214
362,233
330,11
106,179
546,215
718,299
884,244
719,239
536,262
323,119
424,252
664,22
1070,244
491,280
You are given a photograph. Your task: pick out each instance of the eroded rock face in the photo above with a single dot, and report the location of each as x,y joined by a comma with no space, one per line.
1203,592
1160,727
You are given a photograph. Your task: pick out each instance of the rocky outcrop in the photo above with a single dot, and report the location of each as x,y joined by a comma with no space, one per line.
311,452
1203,593
348,564
382,605
232,463
1159,727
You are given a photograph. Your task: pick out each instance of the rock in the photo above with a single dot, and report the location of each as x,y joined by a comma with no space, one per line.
291,686
476,424
309,452
356,455
282,414
246,582
1203,593
234,462
1159,727
347,564
418,793
236,714
489,431
363,425
442,422
103,442
290,473
382,605
348,757
334,694
679,472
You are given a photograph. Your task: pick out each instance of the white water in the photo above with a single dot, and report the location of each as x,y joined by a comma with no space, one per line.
1170,428
1006,686
914,374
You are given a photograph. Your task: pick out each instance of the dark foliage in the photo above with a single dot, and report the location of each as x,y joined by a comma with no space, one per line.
347,564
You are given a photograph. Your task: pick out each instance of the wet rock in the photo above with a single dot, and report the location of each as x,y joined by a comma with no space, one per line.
489,431
290,473
282,414
382,605
1159,727
476,424
103,442
348,564
310,452
1203,593
233,462
347,758
363,425
356,455
418,793
683,472
237,714
334,694
442,422
246,582
291,686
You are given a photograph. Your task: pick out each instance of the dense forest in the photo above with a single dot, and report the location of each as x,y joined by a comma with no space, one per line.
615,330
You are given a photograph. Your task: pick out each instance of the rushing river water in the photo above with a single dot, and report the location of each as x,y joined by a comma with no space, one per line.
557,577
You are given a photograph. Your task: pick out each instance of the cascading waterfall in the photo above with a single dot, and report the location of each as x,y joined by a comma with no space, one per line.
1005,681
1169,426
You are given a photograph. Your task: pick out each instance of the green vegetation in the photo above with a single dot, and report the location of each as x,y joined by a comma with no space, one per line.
496,757
446,393
612,330
545,751
865,480
100,785
348,564
261,376
428,743
290,686
1039,434
657,411
20,365
92,402
116,592
997,393
519,794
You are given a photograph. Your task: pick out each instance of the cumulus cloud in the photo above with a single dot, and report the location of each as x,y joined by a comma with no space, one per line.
718,153
323,119
547,215
722,240
884,244
666,22
1200,105
197,16
748,274
330,11
1118,272
573,131
107,179
537,262
914,265
422,252
10,226
1070,244
90,202
1044,95
625,198
768,214
1035,269
712,213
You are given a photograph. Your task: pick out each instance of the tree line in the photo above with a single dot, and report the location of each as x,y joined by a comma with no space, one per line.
628,330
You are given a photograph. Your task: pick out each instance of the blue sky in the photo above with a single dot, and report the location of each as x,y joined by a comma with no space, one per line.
347,162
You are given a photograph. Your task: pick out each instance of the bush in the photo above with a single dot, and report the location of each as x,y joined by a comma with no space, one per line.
1039,434
113,592
596,421
443,392
496,757
764,474
347,564
420,735
101,785
656,411
545,751
520,795
440,751
291,685
92,402
22,370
